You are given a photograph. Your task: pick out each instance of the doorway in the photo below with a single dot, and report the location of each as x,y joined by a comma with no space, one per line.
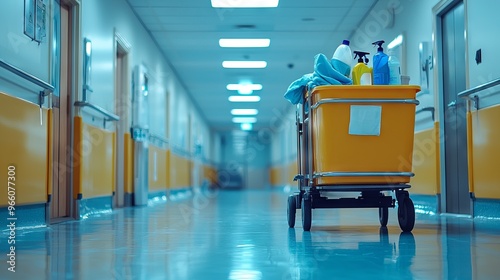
122,109
453,49
60,208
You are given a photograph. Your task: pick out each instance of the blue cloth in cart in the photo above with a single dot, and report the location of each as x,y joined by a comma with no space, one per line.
324,74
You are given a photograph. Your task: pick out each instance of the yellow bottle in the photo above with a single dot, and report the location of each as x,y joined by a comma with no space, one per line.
362,74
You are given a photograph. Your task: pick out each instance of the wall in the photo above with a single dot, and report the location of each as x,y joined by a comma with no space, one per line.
24,144
25,138
284,150
94,161
484,122
172,115
19,50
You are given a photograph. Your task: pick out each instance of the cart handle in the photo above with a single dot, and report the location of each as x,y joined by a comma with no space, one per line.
362,174
368,100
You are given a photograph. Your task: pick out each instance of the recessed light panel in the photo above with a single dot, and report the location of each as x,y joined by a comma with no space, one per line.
239,98
244,43
245,3
244,88
247,112
246,126
244,64
244,120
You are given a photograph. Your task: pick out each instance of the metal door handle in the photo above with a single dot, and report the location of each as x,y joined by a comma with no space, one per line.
452,104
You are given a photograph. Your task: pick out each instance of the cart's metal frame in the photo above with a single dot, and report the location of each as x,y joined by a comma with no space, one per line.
372,196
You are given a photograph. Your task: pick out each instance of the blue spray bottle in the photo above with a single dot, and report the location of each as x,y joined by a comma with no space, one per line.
381,73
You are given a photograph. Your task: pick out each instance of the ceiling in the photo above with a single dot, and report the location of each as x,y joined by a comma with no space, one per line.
188,33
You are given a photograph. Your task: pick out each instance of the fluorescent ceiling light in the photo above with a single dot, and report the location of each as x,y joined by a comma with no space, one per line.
244,64
239,98
246,126
244,88
244,112
245,120
244,43
245,3
396,42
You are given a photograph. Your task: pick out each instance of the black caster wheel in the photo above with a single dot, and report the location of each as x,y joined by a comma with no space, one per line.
406,214
306,213
291,209
383,216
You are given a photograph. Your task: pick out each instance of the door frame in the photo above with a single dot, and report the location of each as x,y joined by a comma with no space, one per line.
123,109
438,11
75,60
76,87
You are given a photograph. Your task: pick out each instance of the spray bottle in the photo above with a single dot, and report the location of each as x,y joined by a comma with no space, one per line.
380,66
361,73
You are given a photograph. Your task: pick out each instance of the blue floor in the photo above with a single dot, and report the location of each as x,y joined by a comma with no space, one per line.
244,235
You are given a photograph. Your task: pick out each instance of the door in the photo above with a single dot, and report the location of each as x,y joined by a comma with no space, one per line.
140,134
455,127
60,204
121,108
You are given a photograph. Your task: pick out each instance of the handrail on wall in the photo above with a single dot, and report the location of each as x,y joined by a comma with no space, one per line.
159,138
47,88
109,116
466,93
27,76
426,109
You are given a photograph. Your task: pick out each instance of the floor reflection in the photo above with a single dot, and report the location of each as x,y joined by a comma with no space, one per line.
347,255
244,235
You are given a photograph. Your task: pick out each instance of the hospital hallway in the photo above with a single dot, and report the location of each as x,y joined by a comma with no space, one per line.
243,234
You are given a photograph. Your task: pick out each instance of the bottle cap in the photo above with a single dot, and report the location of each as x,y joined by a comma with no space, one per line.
345,42
379,43
360,56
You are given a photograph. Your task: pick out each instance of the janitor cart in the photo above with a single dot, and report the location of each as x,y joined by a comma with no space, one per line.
355,139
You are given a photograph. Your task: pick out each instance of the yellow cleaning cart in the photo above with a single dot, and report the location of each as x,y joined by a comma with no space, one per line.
355,139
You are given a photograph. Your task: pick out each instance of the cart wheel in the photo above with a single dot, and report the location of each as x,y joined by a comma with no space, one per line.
383,216
306,213
406,214
384,235
292,206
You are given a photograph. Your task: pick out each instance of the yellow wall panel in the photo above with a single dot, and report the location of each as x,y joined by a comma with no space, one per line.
210,174
424,163
168,183
113,178
49,152
486,152
281,175
180,172
128,163
77,156
96,160
438,159
274,176
157,166
24,144
470,159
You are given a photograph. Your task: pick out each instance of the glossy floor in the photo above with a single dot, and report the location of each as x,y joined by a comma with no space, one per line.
244,235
